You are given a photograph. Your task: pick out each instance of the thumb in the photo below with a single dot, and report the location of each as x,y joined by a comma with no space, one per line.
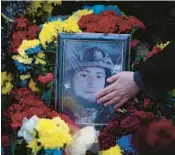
113,78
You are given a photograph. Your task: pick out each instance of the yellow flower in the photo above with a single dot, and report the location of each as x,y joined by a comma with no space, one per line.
6,85
48,33
6,88
40,61
70,25
78,14
24,60
5,77
162,46
40,58
41,55
32,86
24,76
50,30
58,121
27,44
112,151
51,134
35,146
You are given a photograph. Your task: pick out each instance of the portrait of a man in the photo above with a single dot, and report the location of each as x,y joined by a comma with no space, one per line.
87,65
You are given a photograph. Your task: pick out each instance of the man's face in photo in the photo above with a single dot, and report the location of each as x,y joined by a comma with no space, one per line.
88,82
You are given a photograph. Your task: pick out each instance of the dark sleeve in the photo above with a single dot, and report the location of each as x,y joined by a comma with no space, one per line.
158,72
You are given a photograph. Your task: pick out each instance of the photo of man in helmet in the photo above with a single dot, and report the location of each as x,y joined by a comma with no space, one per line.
85,76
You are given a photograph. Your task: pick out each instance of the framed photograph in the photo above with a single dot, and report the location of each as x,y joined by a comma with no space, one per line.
84,62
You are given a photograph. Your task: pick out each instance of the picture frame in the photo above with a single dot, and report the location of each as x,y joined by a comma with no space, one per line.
84,62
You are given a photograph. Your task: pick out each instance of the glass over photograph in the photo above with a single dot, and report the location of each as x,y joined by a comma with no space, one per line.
87,63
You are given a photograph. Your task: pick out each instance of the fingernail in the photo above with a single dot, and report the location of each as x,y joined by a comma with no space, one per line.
98,101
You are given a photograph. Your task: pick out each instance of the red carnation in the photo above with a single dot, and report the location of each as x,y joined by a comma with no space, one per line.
129,124
6,139
28,104
21,22
40,103
32,31
156,138
36,111
45,79
136,22
27,101
17,118
91,27
33,28
154,51
19,35
124,25
160,134
109,13
106,141
106,25
14,45
21,92
113,127
134,43
15,107
52,114
123,123
147,102
108,22
84,21
42,79
144,115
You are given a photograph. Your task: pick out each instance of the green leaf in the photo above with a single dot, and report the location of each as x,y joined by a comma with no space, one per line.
13,147
50,85
134,29
47,97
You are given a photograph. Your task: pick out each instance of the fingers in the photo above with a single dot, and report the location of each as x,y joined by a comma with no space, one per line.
114,100
113,78
107,97
105,91
118,105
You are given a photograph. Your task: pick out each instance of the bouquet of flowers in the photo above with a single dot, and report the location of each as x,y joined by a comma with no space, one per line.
35,127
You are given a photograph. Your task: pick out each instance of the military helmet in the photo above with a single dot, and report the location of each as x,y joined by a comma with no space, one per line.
90,57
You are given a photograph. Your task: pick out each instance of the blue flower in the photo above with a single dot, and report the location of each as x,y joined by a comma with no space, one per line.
54,18
23,83
97,9
34,50
114,8
125,143
21,67
55,151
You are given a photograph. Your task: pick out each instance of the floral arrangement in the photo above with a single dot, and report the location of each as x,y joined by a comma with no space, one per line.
36,128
